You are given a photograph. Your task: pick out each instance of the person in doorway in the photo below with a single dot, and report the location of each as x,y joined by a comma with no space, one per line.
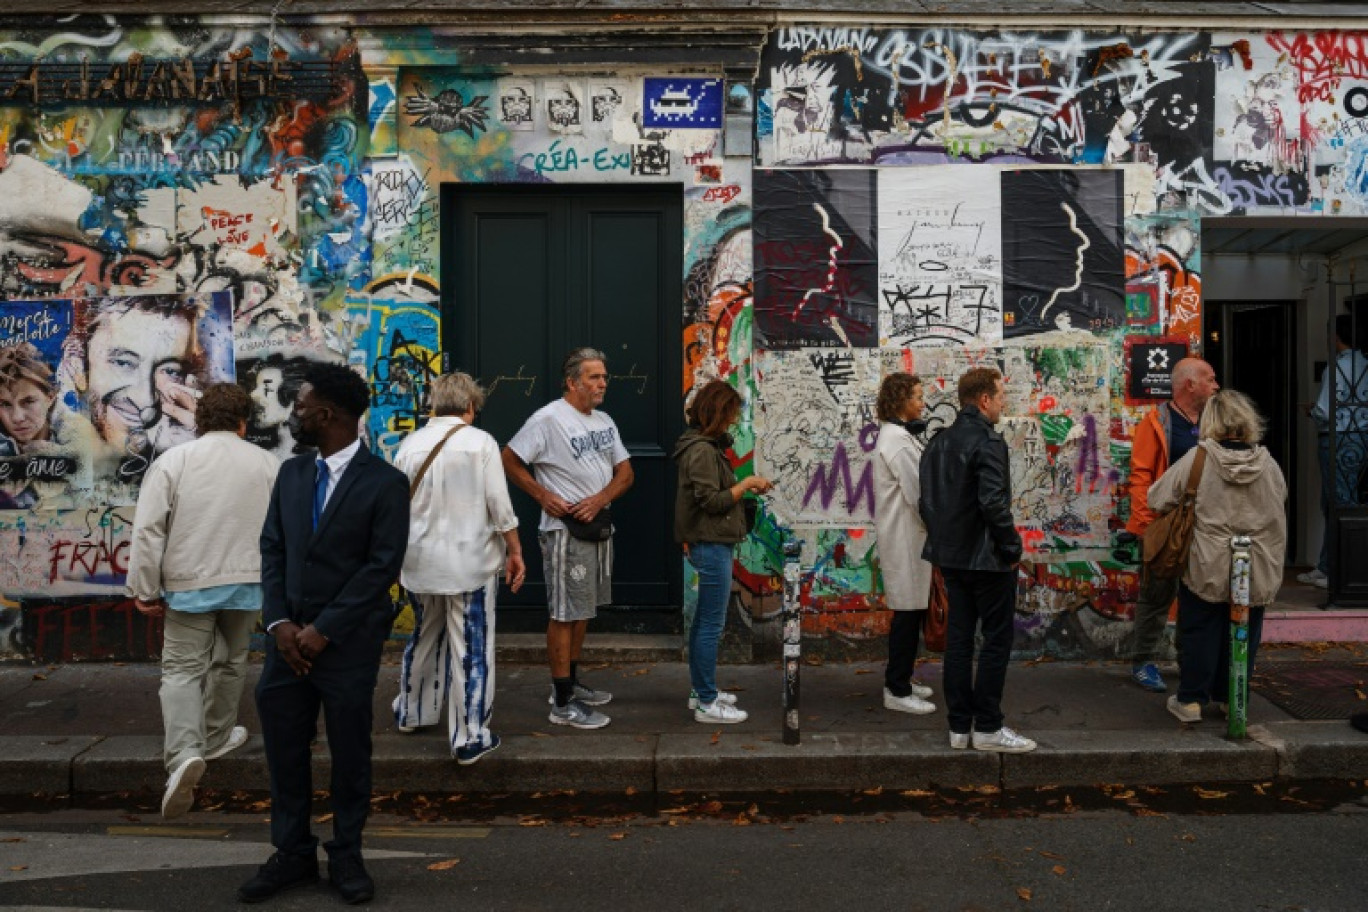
1341,476
462,532
332,545
1166,433
901,536
570,459
195,561
966,504
709,521
1241,492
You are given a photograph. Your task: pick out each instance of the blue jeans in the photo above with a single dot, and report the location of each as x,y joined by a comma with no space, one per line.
713,561
1339,481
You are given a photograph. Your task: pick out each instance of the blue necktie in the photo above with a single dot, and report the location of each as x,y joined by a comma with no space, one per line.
320,491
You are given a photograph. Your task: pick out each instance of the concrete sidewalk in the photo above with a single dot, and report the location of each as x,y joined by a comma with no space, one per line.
86,730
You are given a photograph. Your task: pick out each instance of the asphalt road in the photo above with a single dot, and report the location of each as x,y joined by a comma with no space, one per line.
721,859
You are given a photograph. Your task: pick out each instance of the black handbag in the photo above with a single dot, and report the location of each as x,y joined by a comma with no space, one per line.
598,529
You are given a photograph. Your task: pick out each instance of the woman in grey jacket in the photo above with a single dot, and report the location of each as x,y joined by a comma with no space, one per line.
709,521
1241,492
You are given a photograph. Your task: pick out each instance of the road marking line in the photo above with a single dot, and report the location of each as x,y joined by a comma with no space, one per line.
173,832
428,832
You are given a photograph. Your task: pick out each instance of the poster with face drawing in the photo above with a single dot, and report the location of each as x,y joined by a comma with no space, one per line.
609,102
565,105
93,389
516,105
1062,250
940,257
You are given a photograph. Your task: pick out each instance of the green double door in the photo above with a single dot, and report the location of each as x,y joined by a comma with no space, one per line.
533,272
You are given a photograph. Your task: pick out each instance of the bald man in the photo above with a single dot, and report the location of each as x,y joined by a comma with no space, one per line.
1161,438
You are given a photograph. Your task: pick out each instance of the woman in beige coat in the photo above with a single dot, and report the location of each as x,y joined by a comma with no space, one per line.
906,577
1241,492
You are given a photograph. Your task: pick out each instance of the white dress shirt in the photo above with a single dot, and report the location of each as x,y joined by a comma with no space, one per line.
337,464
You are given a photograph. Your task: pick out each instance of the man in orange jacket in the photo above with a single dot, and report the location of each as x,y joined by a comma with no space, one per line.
1161,438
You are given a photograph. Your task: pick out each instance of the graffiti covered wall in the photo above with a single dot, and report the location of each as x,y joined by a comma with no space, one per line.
919,199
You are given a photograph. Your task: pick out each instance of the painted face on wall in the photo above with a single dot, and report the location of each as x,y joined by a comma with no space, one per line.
266,398
24,408
134,359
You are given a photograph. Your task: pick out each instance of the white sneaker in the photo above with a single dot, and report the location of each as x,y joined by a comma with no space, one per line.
236,738
921,690
908,704
1003,741
585,694
1184,712
722,697
720,713
180,788
1314,577
959,741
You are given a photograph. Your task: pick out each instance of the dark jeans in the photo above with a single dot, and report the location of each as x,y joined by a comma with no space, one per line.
1204,647
988,600
342,680
904,632
1151,615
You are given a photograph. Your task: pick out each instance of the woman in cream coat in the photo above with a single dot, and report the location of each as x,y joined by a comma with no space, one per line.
906,577
1241,492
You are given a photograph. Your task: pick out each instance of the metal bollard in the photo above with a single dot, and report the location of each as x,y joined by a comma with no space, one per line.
793,632
1237,720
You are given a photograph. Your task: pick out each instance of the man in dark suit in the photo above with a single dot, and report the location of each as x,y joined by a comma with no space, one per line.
332,544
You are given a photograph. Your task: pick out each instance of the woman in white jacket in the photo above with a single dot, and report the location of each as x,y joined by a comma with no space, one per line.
906,577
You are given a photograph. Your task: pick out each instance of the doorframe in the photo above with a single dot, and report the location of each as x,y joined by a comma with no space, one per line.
1295,421
455,336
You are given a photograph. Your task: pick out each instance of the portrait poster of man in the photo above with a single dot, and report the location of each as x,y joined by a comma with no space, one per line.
106,384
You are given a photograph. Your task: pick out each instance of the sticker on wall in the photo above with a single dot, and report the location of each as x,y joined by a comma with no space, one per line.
447,111
679,103
565,109
606,101
517,102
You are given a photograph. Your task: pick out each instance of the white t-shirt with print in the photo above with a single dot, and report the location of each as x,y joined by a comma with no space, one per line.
571,454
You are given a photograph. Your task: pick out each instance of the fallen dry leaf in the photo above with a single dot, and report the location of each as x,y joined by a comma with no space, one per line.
617,837
1051,855
1059,870
711,807
717,736
741,820
323,818
1146,812
14,839
40,677
864,671
876,790
1024,893
916,793
641,671
540,735
1359,693
630,790
19,867
1209,793
444,865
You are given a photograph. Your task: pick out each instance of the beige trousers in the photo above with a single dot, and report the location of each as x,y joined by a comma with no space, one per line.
204,668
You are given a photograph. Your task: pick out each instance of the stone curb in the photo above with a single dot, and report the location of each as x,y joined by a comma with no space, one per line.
724,762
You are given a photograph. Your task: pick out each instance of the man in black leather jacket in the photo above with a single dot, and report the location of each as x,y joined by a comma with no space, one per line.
966,503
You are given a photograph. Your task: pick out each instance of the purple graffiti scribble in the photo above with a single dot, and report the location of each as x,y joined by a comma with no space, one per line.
824,480
1088,464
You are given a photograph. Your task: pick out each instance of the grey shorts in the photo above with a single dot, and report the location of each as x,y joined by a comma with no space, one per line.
579,575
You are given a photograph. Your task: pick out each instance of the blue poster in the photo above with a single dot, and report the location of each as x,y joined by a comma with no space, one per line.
682,102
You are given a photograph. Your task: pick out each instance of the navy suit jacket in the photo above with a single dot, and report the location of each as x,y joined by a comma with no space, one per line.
336,577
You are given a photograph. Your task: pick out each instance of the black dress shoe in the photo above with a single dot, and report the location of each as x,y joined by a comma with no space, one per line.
278,874
1360,721
348,876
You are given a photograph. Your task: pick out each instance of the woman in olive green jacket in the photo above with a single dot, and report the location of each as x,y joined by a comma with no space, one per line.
709,521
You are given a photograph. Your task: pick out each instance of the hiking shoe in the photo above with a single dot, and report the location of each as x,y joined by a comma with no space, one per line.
467,754
585,694
349,878
278,874
722,697
1314,577
577,715
1148,677
180,787
959,740
721,713
908,704
236,738
1184,712
1003,741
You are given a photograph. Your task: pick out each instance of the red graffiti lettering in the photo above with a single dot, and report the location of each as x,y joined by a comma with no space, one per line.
722,194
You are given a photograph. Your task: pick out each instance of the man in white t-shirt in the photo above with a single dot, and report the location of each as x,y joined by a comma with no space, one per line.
569,457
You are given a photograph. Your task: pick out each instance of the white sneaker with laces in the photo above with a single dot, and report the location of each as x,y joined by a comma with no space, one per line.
720,713
1314,577
908,704
180,788
959,741
921,690
236,738
722,697
1003,741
